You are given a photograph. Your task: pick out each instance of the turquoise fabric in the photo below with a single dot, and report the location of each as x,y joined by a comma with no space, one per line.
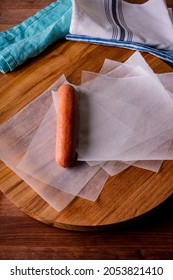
34,35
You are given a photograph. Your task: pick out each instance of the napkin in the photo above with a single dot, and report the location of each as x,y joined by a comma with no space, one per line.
52,23
145,27
34,35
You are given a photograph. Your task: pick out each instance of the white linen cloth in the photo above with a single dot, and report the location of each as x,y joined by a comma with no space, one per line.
144,27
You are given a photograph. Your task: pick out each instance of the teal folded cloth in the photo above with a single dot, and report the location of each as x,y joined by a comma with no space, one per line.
34,35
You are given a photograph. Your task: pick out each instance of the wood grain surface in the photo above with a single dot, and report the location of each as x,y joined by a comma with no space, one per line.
150,237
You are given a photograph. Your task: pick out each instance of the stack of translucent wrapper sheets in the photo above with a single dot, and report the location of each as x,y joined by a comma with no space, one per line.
125,118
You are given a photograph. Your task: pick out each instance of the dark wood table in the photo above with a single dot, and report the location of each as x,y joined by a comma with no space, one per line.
22,237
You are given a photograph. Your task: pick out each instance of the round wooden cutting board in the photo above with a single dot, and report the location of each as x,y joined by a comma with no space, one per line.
126,196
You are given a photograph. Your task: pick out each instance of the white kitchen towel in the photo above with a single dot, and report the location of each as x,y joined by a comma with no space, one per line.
145,27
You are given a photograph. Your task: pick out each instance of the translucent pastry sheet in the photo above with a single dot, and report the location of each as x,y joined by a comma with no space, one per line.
125,118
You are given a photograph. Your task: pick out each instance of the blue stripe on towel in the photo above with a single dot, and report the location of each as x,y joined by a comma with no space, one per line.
167,56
